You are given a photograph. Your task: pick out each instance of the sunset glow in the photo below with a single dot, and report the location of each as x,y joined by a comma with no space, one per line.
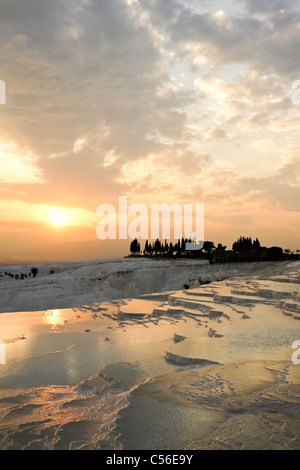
149,227
58,219
174,105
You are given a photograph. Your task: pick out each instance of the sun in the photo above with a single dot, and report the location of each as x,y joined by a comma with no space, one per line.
58,219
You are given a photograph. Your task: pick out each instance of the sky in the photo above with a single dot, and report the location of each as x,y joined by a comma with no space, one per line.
162,101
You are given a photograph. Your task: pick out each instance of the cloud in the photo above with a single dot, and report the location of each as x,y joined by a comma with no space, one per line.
267,6
266,146
86,73
18,166
216,133
289,170
268,45
150,98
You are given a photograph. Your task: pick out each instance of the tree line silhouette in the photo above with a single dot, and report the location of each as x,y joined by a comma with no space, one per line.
243,249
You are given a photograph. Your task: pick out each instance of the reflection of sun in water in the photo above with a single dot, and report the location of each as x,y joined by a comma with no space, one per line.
54,317
58,219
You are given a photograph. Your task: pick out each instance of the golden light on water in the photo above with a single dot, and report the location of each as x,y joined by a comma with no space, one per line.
54,317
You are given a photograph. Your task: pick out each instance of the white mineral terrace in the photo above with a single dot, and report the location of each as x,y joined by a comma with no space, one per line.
139,354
